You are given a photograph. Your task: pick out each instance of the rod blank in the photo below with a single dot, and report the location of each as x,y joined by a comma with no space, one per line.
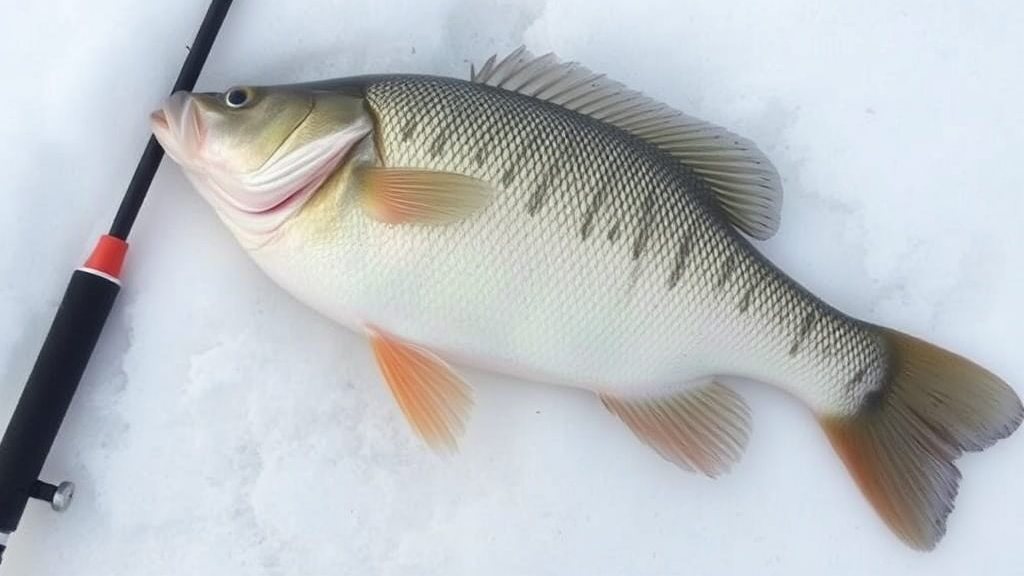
153,154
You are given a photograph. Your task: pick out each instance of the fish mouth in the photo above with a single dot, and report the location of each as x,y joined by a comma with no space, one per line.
176,126
158,120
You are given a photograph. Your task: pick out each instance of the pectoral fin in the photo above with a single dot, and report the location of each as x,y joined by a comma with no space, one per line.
408,195
434,399
703,428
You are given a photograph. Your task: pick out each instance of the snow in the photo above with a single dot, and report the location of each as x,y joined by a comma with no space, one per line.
223,428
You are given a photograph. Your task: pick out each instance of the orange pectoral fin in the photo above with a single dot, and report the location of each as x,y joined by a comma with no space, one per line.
412,196
434,399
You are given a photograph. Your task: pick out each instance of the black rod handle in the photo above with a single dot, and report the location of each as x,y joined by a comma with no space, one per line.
65,353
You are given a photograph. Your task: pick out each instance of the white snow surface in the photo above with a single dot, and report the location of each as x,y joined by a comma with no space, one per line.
223,428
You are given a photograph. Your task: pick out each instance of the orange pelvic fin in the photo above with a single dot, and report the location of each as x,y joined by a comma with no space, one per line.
434,399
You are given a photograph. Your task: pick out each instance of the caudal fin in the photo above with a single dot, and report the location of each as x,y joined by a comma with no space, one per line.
901,446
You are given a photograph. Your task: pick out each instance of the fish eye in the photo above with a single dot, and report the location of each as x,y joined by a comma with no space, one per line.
237,97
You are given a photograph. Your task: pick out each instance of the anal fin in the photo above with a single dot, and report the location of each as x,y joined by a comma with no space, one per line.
703,428
434,399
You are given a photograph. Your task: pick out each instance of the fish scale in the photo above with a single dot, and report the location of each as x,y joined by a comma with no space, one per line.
605,178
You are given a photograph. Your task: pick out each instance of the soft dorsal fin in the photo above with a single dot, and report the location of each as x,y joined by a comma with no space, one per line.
744,180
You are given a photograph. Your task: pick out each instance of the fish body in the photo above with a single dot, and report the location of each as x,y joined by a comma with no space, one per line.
544,222
602,263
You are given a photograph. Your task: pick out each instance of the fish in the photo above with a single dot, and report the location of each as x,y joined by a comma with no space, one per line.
546,222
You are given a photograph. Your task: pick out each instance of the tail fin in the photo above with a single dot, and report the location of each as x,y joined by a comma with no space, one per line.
900,448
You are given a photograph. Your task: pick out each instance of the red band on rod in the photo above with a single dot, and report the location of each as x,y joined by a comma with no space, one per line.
108,256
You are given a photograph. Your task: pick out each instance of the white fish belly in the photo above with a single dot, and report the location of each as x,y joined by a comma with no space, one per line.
490,296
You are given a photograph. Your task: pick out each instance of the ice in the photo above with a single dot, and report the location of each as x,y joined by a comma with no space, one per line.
223,428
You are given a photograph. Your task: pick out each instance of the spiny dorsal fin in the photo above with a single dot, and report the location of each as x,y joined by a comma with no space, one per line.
744,180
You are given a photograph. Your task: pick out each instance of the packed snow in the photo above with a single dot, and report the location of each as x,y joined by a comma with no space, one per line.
223,428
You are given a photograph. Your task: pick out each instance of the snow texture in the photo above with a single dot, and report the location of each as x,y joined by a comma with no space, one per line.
223,428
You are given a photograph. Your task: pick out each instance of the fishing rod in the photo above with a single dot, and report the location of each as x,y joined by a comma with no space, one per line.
77,326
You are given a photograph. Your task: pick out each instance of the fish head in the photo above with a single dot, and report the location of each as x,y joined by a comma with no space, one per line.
258,154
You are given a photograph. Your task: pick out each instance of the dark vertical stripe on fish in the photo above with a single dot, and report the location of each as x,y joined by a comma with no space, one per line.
647,216
744,304
857,378
613,234
514,165
508,176
438,145
540,193
591,213
682,256
805,328
728,268
480,156
409,130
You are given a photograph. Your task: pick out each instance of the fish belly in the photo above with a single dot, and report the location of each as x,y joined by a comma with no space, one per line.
489,295
600,263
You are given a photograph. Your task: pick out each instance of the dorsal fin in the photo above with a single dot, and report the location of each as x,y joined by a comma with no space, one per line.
746,183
